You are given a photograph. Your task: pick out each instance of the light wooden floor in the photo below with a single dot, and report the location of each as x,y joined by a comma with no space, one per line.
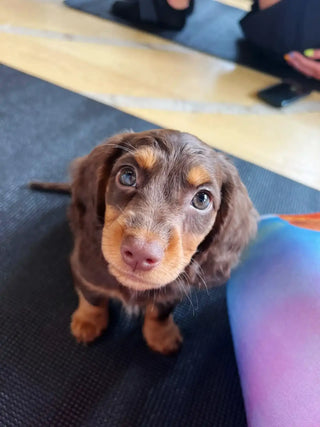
162,82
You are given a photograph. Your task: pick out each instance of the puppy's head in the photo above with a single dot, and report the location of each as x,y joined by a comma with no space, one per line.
164,197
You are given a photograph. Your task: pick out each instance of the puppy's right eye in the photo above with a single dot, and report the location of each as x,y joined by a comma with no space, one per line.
201,200
127,177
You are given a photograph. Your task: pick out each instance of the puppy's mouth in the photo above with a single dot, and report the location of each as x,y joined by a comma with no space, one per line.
131,280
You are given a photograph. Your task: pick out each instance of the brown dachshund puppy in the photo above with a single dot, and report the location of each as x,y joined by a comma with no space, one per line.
153,213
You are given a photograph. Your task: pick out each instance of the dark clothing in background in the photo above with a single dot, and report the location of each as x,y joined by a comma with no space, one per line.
286,26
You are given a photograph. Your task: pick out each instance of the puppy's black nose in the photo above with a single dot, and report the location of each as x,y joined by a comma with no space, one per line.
141,254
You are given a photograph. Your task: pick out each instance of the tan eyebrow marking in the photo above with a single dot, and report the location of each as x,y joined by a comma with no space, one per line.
146,157
197,176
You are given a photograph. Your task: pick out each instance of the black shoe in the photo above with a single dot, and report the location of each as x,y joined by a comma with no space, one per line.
128,10
156,12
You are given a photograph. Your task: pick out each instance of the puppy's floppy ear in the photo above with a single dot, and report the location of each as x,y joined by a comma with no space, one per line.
90,176
235,225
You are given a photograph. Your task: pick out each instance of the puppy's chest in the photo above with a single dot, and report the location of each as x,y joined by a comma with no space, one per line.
98,280
106,285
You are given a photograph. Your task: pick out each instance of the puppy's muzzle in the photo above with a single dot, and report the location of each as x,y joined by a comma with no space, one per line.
140,254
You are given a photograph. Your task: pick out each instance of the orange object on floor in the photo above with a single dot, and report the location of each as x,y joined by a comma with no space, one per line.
311,221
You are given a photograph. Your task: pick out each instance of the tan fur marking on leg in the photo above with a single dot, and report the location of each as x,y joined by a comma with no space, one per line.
162,336
88,321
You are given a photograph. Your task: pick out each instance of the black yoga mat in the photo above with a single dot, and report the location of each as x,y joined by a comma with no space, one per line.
46,379
212,28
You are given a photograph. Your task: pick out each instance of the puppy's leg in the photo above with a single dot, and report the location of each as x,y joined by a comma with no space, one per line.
160,331
89,321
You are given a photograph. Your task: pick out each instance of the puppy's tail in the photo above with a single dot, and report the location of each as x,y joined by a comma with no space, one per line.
57,187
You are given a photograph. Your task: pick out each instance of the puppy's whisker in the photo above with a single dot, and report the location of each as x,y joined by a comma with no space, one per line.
188,281
202,279
154,301
186,293
121,210
180,289
200,275
186,276
122,147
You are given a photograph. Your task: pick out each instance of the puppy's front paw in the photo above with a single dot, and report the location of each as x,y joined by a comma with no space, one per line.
86,328
162,336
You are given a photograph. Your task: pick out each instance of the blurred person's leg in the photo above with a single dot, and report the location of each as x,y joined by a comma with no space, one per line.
162,13
282,26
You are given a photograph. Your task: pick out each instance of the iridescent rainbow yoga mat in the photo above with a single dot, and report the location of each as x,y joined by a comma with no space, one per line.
274,308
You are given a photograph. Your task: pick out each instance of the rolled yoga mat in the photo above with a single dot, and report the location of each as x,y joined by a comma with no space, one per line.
274,309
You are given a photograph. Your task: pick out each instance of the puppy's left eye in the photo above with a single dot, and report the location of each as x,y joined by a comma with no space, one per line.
127,177
201,200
